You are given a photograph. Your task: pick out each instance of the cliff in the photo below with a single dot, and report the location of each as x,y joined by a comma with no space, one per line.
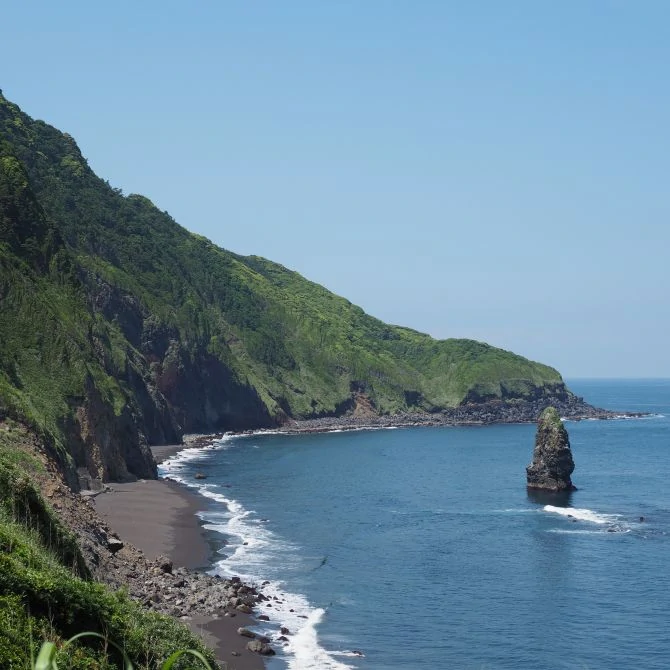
120,329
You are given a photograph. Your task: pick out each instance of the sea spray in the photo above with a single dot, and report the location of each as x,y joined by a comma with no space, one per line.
251,550
581,514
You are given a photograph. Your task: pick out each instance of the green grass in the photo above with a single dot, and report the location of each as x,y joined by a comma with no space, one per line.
47,658
106,294
46,593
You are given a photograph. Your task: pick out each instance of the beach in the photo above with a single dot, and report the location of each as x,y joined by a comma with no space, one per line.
159,518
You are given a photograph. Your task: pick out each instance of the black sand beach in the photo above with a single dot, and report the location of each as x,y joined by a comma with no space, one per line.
158,517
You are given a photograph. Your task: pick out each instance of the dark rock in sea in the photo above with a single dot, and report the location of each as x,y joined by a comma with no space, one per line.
200,475
552,458
263,617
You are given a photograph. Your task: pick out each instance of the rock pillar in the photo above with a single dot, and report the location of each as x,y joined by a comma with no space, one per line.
552,457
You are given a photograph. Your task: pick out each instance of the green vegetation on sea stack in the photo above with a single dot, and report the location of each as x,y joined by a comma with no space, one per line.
120,328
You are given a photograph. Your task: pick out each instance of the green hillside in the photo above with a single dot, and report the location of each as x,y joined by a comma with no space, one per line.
120,328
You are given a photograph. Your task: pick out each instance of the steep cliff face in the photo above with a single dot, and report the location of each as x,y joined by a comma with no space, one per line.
552,462
205,395
121,329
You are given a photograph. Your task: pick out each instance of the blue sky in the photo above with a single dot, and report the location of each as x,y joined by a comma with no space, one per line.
494,170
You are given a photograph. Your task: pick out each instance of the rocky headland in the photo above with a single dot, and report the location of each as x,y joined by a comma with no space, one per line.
552,462
571,407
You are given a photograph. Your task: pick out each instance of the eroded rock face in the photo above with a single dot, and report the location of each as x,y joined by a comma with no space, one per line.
552,457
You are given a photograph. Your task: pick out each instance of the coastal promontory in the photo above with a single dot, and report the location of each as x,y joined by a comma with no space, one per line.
552,462
119,329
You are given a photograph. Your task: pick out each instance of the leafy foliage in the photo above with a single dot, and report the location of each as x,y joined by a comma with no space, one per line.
46,593
131,303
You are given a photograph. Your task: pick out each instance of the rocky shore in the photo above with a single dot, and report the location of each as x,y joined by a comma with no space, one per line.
219,610
480,414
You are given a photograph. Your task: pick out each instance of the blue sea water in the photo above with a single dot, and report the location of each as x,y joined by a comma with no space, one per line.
422,548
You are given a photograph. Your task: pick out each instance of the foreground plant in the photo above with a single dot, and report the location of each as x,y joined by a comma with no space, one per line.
46,659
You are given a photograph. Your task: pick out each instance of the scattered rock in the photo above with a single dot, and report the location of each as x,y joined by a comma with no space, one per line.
284,631
263,617
114,545
165,564
245,632
260,648
200,475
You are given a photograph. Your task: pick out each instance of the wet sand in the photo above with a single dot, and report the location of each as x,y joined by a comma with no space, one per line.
158,517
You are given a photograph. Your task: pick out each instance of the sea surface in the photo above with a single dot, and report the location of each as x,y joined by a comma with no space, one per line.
421,547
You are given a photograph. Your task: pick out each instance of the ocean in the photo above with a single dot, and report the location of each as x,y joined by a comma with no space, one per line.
421,547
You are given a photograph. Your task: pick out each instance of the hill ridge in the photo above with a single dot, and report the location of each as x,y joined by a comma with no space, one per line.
153,331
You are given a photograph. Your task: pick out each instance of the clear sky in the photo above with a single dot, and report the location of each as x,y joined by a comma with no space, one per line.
493,170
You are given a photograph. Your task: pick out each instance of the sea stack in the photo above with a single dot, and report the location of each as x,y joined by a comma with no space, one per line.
552,458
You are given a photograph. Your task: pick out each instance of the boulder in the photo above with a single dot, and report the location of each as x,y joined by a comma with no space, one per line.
245,632
165,564
260,648
552,462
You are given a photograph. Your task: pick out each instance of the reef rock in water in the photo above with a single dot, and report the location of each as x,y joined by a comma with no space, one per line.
552,458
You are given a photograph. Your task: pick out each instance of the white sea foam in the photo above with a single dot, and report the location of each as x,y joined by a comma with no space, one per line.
174,465
581,514
252,552
307,653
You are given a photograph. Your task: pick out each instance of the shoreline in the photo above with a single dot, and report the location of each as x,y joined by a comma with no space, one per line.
159,517
493,413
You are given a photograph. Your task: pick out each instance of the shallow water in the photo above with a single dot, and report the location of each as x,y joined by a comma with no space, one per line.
422,548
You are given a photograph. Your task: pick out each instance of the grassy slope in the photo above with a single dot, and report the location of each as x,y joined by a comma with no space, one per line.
55,351
302,348
45,589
